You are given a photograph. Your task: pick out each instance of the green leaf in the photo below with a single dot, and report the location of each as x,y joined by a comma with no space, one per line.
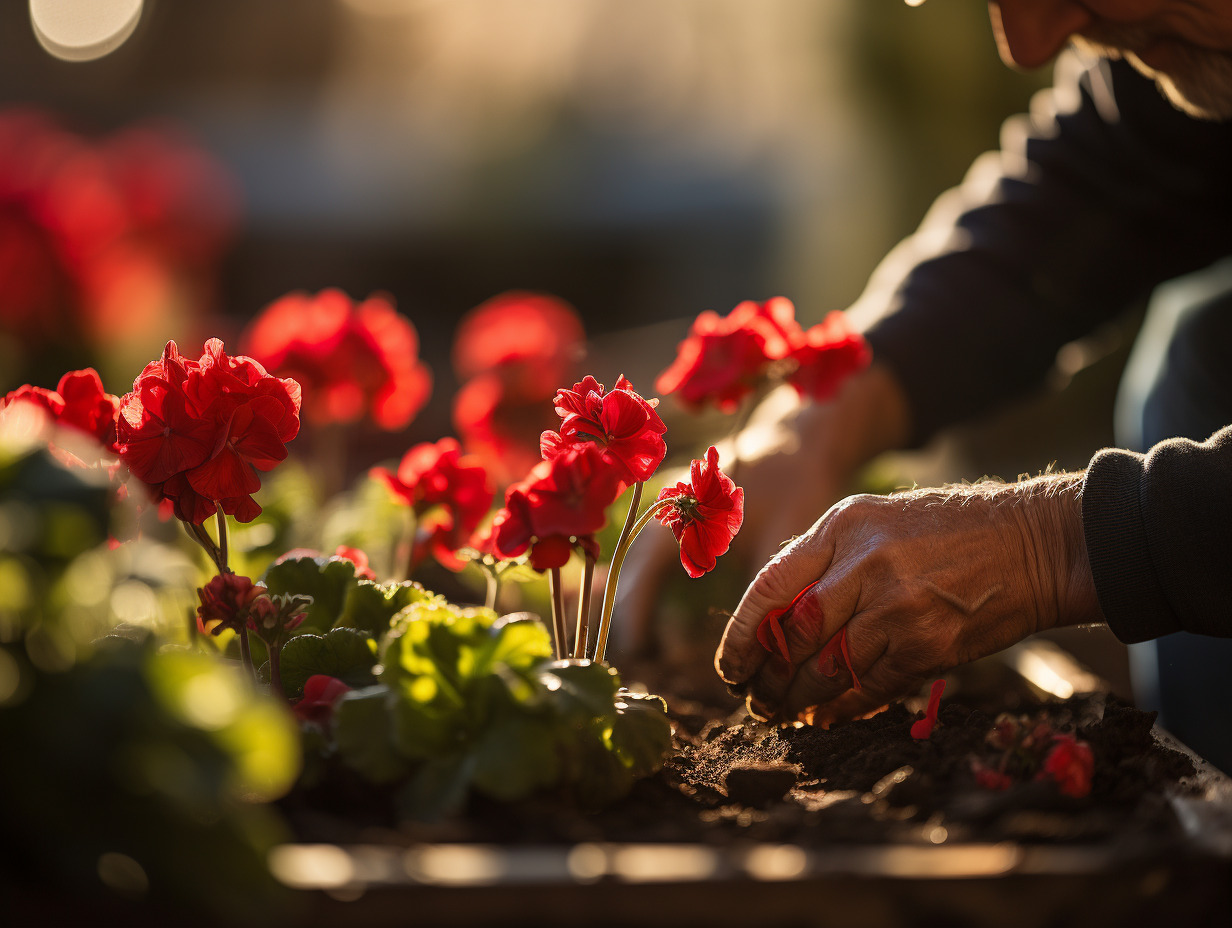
362,732
581,692
438,789
327,581
423,727
642,735
371,607
516,756
344,653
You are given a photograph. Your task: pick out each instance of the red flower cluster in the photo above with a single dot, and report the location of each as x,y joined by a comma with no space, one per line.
621,422
197,432
78,401
560,504
449,493
510,354
351,360
704,515
1033,750
724,359
104,238
226,601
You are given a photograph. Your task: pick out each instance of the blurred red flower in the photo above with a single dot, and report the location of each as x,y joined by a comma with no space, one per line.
511,353
111,237
78,401
1070,763
357,557
321,695
352,360
449,493
560,504
621,422
827,354
197,432
704,515
723,359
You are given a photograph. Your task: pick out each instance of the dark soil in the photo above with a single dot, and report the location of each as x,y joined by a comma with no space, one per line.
739,780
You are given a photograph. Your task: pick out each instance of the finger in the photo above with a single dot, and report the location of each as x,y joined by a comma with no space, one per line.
740,655
827,674
887,680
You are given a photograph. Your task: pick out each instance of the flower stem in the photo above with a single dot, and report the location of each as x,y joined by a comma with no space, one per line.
223,558
275,659
493,587
410,547
629,533
246,653
558,613
583,617
202,537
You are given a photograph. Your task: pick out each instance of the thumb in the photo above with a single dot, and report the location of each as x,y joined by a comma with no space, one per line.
801,563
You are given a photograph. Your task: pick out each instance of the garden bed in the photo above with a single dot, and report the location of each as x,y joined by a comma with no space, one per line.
752,823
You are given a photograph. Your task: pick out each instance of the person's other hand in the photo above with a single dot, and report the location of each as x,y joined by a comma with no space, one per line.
796,459
923,581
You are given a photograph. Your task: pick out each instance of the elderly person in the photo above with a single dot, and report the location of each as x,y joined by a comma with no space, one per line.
1125,181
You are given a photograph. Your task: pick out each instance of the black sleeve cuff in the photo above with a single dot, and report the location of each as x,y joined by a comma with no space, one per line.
1130,593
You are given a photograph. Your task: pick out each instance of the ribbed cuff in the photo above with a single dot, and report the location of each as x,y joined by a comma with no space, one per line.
1126,582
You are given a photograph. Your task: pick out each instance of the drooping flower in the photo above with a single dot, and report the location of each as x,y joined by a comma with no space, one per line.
511,354
225,602
1070,763
826,355
321,695
704,515
352,360
621,422
724,359
558,506
197,432
449,493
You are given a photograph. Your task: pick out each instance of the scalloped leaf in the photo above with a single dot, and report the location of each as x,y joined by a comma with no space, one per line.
345,653
362,734
327,581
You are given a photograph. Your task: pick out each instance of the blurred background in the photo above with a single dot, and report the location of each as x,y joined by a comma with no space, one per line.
642,160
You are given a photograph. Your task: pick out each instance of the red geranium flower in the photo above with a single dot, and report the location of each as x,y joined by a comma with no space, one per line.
78,401
724,358
197,432
449,493
226,601
357,557
828,354
321,695
621,422
512,353
1070,763
561,503
350,359
704,514
518,327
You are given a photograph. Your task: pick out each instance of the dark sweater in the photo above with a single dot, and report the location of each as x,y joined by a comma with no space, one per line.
1102,193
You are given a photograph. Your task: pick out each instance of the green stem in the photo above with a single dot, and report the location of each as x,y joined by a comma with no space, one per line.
275,659
202,537
583,617
246,653
493,587
221,519
410,547
613,574
742,419
558,613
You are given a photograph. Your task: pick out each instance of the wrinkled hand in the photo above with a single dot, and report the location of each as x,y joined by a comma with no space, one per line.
796,458
923,581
